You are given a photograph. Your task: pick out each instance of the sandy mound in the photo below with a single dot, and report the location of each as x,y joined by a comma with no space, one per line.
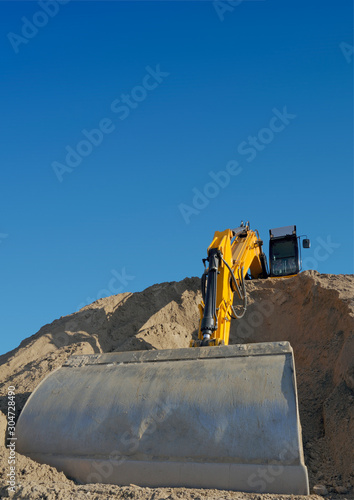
314,312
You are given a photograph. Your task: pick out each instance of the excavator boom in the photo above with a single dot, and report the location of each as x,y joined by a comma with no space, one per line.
231,255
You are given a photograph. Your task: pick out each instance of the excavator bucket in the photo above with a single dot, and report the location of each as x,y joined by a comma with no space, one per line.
221,417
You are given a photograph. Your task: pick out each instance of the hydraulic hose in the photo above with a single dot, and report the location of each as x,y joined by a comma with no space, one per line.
203,285
241,291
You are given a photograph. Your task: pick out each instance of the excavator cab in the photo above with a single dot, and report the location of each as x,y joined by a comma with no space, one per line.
284,254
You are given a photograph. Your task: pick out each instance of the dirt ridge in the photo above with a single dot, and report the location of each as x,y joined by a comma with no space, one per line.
313,311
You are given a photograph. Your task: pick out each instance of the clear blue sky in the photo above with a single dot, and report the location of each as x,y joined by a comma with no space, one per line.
261,90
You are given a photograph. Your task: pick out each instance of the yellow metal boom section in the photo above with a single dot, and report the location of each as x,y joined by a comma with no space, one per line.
240,252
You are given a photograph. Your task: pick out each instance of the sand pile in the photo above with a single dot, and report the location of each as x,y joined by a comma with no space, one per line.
312,311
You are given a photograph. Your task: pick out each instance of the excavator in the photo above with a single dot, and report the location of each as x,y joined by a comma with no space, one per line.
211,415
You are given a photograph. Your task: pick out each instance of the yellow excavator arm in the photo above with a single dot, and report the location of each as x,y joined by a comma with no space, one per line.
231,255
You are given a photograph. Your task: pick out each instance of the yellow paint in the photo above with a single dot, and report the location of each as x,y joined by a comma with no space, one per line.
242,253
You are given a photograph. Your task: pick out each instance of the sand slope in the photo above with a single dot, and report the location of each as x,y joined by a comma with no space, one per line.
314,312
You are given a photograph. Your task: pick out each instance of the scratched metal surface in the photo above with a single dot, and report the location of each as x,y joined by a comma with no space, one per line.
226,407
